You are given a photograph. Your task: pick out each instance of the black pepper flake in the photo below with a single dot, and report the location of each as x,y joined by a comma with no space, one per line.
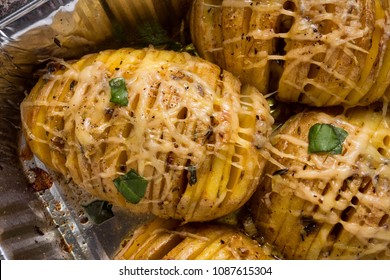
51,67
309,226
193,178
208,134
57,42
280,172
72,84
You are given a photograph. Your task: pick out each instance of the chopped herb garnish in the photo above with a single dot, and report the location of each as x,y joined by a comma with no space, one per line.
152,33
98,211
132,186
118,91
326,138
193,179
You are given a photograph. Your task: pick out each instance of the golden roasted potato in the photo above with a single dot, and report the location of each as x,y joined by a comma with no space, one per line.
327,194
151,130
320,53
166,240
131,13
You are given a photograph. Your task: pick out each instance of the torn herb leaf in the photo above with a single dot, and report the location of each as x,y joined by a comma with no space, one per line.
326,138
190,48
193,178
119,93
152,33
98,211
132,186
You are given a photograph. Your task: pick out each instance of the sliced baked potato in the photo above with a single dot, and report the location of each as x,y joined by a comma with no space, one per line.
151,130
163,239
320,53
326,195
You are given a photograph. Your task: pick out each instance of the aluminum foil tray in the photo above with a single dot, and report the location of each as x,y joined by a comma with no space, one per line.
51,224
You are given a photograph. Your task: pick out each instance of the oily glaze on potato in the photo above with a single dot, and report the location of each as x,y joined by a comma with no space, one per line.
190,129
163,239
320,53
325,205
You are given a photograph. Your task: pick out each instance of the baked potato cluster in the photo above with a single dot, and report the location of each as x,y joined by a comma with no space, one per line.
192,139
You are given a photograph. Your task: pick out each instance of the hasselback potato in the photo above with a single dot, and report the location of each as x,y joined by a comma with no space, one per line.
131,13
152,130
320,53
327,193
94,22
168,240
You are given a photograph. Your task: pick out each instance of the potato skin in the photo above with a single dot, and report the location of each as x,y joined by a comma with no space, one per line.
162,239
183,114
318,53
324,206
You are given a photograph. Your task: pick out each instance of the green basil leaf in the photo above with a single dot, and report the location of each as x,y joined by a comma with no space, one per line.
152,33
326,138
118,91
132,186
98,211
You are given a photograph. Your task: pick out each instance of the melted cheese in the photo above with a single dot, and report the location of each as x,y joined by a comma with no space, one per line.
346,195
327,52
182,111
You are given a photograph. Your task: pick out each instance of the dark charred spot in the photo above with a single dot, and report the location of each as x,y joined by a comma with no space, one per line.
170,158
57,42
309,226
41,179
65,246
58,142
280,172
208,135
109,111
